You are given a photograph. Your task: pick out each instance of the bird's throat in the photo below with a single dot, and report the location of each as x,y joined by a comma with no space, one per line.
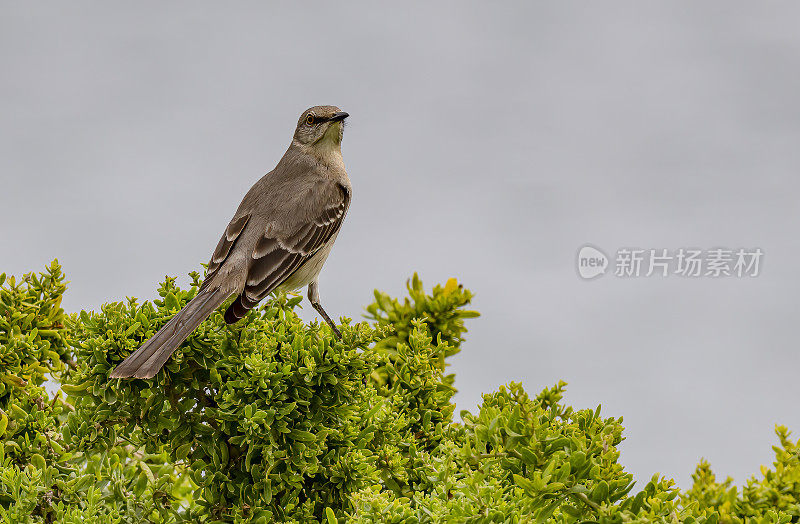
331,142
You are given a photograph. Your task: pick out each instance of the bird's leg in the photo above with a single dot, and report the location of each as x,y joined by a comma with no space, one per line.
313,296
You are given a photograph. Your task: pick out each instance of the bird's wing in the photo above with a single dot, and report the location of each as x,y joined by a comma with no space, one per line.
277,255
225,245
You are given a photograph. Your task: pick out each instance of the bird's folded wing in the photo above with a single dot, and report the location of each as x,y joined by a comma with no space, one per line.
277,256
225,245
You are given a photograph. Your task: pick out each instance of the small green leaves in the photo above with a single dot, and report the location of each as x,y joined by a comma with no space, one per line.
38,462
274,420
302,436
171,302
183,451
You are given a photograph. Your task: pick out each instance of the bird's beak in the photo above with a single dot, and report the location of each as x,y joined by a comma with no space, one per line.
337,117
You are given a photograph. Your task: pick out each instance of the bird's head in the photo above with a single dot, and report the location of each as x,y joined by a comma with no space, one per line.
321,126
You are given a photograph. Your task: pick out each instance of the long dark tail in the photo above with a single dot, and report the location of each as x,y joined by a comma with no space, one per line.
146,361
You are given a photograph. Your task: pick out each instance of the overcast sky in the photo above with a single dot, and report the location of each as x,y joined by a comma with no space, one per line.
485,143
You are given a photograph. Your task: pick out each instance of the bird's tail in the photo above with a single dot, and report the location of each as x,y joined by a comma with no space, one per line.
146,361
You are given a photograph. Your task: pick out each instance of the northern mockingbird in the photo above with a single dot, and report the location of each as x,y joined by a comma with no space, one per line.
278,239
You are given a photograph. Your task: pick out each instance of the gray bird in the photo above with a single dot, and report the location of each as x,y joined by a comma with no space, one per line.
278,239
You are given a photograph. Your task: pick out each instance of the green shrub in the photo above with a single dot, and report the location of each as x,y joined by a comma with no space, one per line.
272,419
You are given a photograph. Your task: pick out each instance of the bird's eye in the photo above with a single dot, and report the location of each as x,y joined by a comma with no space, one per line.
310,120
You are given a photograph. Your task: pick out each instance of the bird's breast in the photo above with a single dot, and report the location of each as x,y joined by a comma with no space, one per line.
308,272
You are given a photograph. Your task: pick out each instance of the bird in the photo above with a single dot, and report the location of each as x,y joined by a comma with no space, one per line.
278,239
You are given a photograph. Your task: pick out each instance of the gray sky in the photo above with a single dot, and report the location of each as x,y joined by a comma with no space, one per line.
486,143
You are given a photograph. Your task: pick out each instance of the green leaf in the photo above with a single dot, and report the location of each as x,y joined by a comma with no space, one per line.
303,436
